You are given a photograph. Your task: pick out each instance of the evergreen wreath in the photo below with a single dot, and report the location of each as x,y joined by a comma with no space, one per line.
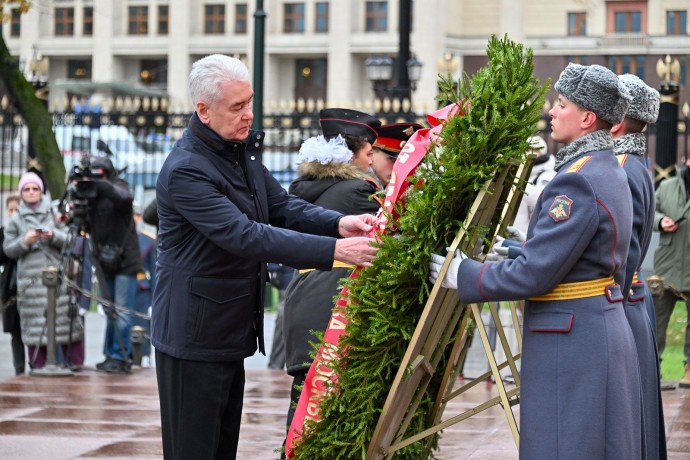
501,104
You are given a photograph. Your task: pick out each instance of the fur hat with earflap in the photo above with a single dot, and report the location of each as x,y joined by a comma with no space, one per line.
596,89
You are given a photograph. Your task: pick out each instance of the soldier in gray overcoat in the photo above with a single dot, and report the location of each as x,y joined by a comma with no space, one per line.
580,391
630,147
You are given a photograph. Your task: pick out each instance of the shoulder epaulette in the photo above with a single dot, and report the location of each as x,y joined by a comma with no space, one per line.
577,166
622,159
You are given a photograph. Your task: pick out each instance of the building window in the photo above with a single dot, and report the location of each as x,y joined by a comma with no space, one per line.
577,24
138,20
15,23
376,17
628,21
627,64
321,25
154,71
214,19
64,22
163,18
241,19
676,22
293,18
582,60
79,69
88,21
310,78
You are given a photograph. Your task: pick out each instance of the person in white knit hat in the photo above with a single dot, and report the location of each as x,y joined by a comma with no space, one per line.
580,384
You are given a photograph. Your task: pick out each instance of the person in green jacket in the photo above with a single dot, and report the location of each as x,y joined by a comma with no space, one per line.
670,220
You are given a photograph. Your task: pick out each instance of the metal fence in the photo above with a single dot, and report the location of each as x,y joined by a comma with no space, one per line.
139,141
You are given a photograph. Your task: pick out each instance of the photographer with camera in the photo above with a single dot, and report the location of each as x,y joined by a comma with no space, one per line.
104,203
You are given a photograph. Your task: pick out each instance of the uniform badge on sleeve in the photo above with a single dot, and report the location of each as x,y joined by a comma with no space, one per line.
560,208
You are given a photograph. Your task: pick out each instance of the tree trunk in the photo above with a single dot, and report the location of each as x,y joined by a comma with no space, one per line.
37,119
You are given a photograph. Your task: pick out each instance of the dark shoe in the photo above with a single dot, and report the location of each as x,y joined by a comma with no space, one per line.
116,366
102,365
685,381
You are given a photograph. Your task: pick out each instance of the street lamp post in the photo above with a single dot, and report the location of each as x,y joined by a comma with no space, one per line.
259,49
667,122
379,70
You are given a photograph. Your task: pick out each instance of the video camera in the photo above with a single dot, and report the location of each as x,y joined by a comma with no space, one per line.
82,184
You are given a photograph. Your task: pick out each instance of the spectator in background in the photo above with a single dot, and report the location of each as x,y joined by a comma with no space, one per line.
387,147
10,314
144,284
34,239
280,276
671,256
542,172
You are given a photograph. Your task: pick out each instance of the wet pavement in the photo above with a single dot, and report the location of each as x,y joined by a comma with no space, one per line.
100,416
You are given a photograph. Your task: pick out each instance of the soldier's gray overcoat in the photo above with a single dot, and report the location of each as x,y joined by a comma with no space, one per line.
580,389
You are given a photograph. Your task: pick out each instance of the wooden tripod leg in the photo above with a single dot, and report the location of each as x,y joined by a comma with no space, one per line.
505,402
516,323
510,357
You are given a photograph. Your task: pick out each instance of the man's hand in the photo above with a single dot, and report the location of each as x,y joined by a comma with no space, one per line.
359,225
450,281
356,250
668,225
516,234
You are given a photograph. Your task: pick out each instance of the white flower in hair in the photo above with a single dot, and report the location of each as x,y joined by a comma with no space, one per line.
323,151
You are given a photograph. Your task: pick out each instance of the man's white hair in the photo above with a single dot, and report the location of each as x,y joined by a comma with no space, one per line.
208,73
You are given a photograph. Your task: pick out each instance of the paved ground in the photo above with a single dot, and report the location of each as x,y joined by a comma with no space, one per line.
98,416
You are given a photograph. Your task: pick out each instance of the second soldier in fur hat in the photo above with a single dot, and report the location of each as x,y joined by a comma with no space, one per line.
630,146
387,147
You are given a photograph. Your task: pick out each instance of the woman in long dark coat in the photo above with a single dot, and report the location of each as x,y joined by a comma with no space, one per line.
334,174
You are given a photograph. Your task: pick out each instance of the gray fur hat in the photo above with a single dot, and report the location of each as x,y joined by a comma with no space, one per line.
597,89
645,102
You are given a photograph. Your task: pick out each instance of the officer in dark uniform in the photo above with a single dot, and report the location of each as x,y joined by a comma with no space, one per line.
630,147
580,393
387,147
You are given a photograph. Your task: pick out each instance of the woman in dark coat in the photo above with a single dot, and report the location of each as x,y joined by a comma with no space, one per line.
8,296
334,174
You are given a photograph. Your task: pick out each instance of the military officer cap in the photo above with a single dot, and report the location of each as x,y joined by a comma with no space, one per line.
392,137
645,102
348,122
596,89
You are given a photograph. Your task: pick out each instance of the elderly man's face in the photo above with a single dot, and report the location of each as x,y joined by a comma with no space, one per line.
231,116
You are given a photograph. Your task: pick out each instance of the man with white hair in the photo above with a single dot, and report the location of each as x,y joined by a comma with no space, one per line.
222,217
